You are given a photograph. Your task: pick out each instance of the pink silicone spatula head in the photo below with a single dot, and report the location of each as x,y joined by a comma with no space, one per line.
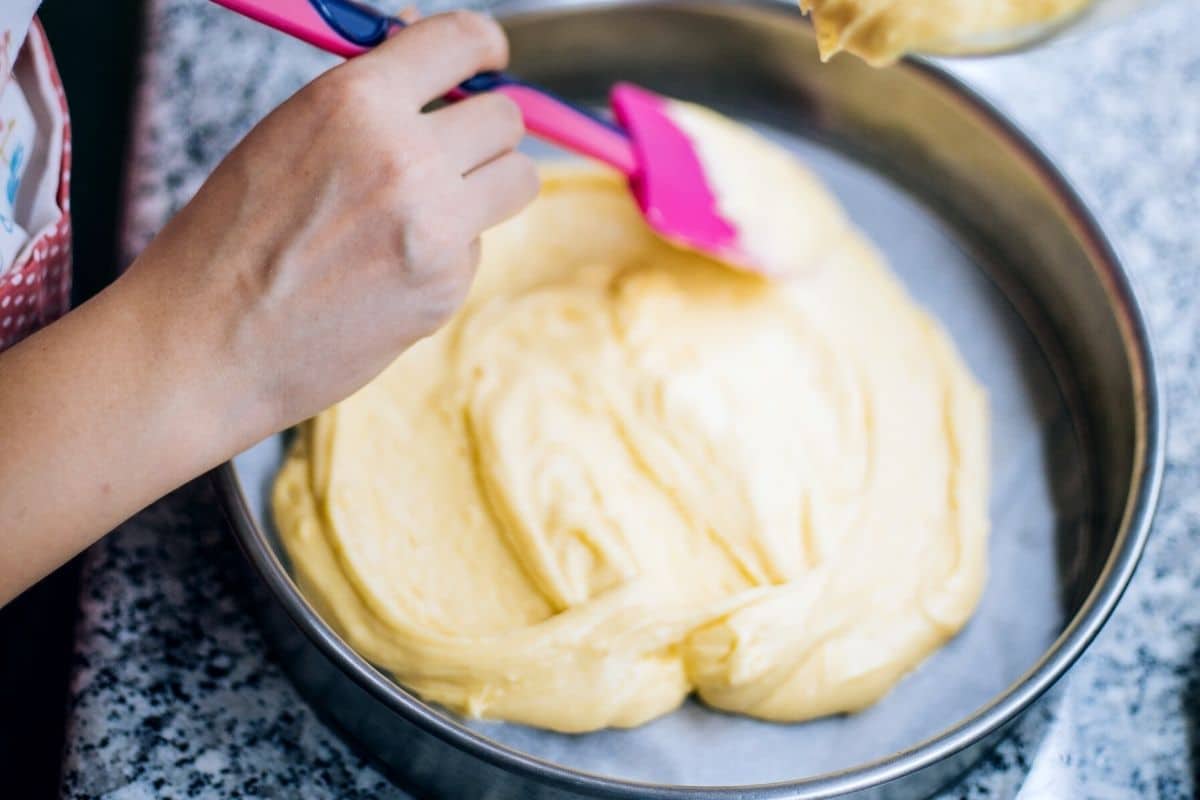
670,184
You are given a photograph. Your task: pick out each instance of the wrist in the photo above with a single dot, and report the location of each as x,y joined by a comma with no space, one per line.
205,393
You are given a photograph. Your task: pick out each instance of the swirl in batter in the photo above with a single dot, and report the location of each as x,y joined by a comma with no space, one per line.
624,473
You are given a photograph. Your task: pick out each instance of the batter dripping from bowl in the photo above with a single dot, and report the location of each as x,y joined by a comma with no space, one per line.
624,473
880,31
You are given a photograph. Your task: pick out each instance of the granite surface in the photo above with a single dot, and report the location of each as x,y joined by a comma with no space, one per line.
176,695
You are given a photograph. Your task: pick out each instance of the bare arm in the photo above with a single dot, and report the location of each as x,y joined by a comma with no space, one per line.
344,228
99,420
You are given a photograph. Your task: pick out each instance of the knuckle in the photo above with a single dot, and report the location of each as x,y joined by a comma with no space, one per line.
459,23
321,97
380,171
442,299
432,245
437,265
402,164
510,124
527,180
343,88
391,170
465,23
483,32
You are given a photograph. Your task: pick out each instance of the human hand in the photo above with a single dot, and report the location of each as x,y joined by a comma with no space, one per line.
340,231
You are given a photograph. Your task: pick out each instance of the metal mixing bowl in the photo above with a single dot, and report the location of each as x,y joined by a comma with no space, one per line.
984,233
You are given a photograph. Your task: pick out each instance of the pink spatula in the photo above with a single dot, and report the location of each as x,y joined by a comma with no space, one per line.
665,173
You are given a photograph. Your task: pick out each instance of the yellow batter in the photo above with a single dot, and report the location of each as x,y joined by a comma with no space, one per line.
880,31
624,473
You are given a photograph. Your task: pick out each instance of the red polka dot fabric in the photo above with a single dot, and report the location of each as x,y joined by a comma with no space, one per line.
36,290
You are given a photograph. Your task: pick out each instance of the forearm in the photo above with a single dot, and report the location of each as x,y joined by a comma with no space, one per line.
298,272
100,414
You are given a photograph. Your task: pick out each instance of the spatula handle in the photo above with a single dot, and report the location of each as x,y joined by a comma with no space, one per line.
332,26
348,29
558,121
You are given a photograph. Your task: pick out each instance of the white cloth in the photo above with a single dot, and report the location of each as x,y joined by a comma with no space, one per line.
15,16
29,137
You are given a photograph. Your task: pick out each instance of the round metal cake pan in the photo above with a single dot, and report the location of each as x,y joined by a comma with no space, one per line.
984,233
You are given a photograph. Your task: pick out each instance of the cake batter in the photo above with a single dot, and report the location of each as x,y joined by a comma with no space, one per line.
624,473
880,31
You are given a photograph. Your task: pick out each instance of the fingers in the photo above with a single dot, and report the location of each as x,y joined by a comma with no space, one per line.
478,129
499,189
433,55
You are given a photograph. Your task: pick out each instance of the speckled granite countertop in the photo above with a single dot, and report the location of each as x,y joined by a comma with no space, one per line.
175,695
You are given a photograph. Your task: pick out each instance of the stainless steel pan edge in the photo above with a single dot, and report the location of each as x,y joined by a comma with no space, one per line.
436,755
